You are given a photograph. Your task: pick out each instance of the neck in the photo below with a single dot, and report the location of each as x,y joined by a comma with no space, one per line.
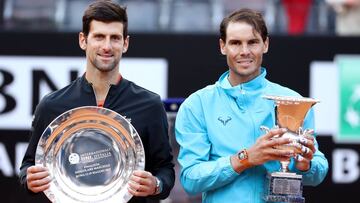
236,79
101,82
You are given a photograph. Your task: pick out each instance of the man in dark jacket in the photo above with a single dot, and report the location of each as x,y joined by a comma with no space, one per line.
104,39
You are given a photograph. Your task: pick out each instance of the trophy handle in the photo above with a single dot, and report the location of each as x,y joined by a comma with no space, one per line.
265,129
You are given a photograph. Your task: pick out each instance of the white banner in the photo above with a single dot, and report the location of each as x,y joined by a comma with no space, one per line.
22,77
324,83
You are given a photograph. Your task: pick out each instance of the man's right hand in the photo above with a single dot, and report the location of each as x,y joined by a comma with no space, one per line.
37,178
264,149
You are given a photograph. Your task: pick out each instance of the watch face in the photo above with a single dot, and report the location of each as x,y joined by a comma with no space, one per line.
242,155
158,186
157,182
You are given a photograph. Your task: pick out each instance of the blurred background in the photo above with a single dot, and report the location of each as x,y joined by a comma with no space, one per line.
174,51
295,17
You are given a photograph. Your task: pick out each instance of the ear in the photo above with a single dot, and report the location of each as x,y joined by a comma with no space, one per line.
82,41
266,44
222,47
126,44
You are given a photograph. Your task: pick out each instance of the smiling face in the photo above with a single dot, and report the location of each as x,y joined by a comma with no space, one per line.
104,45
244,49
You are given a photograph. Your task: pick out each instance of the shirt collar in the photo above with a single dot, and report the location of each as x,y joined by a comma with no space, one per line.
122,82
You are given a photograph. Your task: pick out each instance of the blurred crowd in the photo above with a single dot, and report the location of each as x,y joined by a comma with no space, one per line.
288,17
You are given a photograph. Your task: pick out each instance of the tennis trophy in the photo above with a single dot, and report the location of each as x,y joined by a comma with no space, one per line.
290,112
91,153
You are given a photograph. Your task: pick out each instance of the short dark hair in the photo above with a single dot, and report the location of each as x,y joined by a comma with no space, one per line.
251,17
105,11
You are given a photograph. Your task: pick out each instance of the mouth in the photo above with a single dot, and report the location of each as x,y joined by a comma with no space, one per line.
245,62
105,56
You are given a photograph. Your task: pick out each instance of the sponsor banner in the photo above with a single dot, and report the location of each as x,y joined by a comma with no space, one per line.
337,85
349,117
24,80
323,78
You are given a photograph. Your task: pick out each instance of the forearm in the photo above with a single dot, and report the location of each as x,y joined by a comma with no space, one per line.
208,175
167,176
23,177
318,165
160,154
317,171
240,166
28,160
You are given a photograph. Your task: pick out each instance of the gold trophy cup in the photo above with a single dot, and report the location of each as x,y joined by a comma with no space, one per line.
285,186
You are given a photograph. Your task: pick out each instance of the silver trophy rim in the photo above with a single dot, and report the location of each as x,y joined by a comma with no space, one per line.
57,194
291,99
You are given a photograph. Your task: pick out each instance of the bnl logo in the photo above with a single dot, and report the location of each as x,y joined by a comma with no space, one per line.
39,78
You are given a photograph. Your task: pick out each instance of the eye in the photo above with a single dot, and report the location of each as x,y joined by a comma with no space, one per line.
98,37
116,38
235,42
253,42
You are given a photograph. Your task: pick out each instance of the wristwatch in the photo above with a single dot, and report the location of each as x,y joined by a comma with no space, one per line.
243,157
158,188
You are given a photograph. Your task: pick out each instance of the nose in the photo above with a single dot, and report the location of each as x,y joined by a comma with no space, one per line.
245,49
106,44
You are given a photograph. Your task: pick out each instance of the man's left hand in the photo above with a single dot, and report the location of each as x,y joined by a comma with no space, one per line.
142,184
308,149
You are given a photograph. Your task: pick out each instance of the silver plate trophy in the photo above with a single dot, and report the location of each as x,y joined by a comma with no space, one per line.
285,186
91,153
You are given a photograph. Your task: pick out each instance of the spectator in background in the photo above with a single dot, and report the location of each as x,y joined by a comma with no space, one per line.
348,16
297,12
268,8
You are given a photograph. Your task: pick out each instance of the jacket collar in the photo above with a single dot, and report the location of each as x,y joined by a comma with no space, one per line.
87,86
253,85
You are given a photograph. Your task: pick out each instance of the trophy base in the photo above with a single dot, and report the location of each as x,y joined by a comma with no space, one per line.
279,198
284,187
